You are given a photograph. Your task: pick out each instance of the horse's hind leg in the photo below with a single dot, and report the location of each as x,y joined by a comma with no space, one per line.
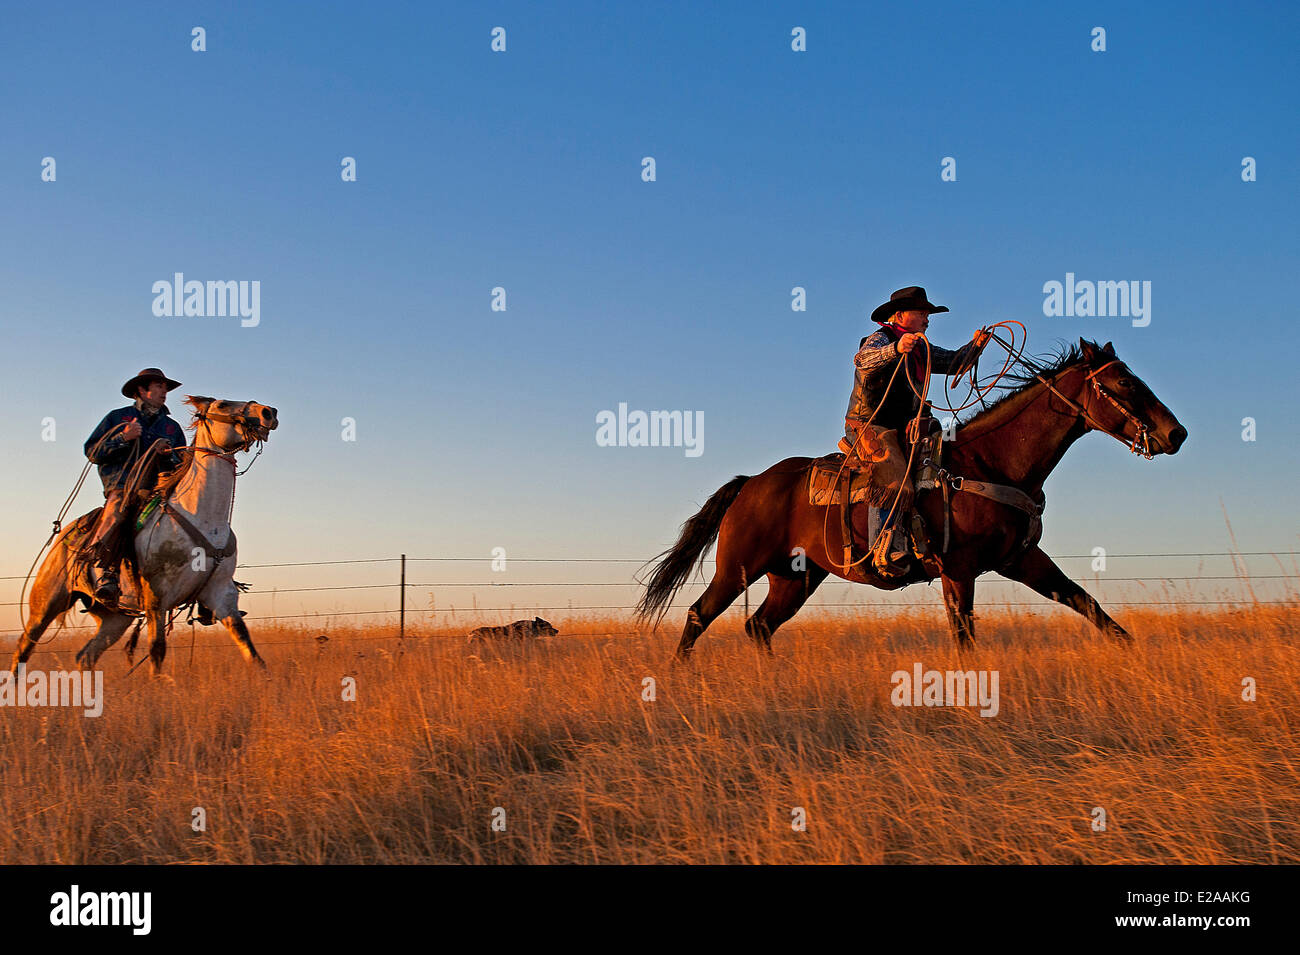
726,586
40,615
111,628
785,595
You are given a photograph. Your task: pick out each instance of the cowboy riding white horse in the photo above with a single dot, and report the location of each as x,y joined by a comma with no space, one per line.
184,546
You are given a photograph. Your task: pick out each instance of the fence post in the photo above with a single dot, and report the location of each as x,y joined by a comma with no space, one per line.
401,626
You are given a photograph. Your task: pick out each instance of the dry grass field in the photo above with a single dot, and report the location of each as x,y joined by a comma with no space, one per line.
588,772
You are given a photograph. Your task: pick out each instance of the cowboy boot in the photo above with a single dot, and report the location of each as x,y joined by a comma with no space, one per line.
102,548
109,590
890,556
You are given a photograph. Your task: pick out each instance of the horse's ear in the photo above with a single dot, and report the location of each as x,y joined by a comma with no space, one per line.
199,403
1109,349
1088,349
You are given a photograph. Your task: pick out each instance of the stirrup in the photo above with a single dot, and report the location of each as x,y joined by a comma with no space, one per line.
887,568
109,600
108,586
886,561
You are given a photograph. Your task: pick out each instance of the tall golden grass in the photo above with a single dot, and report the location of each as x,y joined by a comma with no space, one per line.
588,772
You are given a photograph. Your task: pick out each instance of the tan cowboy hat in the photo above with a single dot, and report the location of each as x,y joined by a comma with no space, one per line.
148,374
908,299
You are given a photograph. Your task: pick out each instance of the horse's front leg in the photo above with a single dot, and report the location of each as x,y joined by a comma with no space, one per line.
222,598
959,600
1039,572
157,617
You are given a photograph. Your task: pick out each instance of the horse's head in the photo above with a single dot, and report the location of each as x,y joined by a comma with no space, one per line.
1118,402
234,425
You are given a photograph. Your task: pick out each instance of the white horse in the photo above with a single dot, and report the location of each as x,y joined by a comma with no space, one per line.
185,548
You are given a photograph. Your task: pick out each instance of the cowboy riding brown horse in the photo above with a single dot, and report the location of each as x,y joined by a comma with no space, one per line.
987,496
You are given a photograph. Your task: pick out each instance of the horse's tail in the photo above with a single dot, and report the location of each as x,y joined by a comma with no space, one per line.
697,536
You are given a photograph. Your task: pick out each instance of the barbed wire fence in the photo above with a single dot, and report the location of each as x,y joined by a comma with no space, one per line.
471,613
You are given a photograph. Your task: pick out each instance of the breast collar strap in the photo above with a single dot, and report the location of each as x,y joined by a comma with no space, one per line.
196,535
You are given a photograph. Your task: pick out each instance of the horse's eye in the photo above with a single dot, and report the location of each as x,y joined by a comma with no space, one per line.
1124,382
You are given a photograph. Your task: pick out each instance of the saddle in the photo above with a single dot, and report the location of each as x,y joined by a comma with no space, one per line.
875,473
85,559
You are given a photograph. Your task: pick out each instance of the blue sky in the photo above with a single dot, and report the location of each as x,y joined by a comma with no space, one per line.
521,169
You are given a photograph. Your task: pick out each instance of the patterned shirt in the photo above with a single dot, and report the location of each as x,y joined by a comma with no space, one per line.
874,364
878,350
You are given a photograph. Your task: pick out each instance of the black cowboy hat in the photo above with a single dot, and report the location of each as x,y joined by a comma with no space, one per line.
148,374
907,299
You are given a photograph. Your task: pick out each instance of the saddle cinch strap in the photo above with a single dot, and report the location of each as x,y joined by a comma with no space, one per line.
1002,493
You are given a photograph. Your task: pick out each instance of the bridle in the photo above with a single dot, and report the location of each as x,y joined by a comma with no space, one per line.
249,427
1141,442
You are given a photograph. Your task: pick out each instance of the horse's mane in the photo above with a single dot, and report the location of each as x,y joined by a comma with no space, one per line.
197,414
169,479
1021,377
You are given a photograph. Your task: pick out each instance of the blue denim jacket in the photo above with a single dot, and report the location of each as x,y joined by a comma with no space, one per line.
116,455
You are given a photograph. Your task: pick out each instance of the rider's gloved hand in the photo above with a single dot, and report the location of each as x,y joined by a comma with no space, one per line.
908,342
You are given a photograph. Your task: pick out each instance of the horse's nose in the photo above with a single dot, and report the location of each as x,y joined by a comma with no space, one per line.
1176,439
269,416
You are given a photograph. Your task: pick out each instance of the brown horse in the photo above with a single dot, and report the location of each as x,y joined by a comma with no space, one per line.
764,524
